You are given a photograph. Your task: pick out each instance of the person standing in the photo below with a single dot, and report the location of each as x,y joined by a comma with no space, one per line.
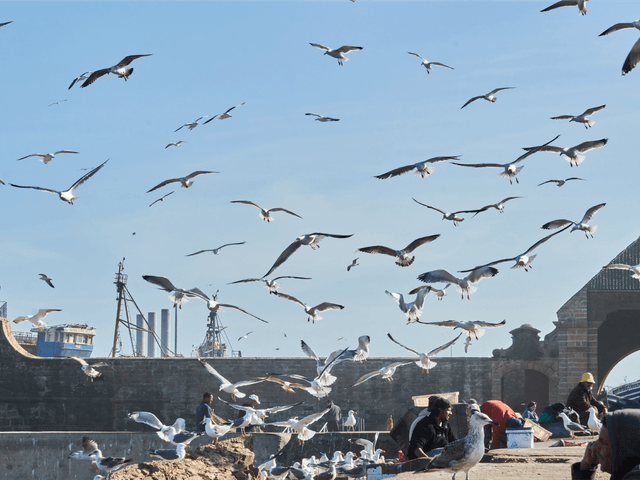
581,398
203,411
433,431
530,412
334,416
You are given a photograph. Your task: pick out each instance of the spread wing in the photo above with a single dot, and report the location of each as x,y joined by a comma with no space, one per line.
471,100
444,323
532,150
438,276
591,212
80,360
442,348
616,27
552,225
284,210
562,3
198,253
289,297
396,172
403,346
243,311
308,351
347,49
441,65
541,241
127,60
64,151
234,107
246,280
287,276
378,249
284,256
591,111
432,208
147,418
479,165
247,202
199,172
420,241
36,188
321,47
421,58
163,282
162,184
94,76
86,177
482,272
214,372
366,377
312,418
498,89
488,324
327,306
89,445
586,146
562,117
227,244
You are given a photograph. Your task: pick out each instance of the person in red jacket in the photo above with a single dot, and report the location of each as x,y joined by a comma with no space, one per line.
501,413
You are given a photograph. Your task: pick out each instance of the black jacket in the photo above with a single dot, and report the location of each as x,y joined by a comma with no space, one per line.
428,435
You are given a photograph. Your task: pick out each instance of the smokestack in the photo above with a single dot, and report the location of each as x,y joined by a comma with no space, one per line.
151,339
140,336
165,331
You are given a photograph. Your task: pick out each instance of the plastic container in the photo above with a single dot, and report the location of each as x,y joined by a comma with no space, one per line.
519,437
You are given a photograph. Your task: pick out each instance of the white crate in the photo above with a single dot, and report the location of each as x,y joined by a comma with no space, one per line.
519,437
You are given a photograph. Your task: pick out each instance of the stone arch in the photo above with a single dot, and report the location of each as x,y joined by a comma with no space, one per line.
618,337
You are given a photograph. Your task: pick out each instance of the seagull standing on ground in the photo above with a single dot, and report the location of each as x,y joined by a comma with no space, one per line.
489,96
560,183
37,319
322,118
190,126
445,216
264,213
429,65
464,285
46,157
422,168
185,182
572,154
473,328
634,55
119,69
619,266
272,285
582,118
594,423
337,53
582,225
67,195
48,280
171,454
569,3
215,251
222,116
312,312
571,426
424,361
403,257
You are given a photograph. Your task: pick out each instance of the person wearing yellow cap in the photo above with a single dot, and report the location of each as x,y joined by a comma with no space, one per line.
581,398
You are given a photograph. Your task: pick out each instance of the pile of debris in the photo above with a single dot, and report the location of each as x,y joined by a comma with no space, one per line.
230,459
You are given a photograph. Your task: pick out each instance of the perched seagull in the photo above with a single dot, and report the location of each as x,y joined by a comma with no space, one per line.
160,199
185,182
311,239
594,423
524,259
634,55
498,206
438,293
429,65
464,285
88,447
425,362
90,370
215,431
119,69
412,310
582,118
222,116
178,143
57,103
230,388
322,118
214,306
109,464
354,263
511,169
245,335
618,266
571,426
422,168
46,157
489,96
67,195
337,53
177,295
385,372
582,225
84,76
215,251
572,154
350,422
473,328
464,454
569,3
445,216
312,312
191,126
37,319
272,285
301,426
172,454
165,432
403,257
560,183
48,280
264,213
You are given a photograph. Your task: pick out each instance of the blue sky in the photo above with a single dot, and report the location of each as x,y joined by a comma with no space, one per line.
209,56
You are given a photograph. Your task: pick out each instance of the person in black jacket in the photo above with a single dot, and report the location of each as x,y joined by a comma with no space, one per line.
433,431
581,398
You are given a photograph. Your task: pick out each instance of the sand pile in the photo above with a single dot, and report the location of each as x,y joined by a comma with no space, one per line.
226,460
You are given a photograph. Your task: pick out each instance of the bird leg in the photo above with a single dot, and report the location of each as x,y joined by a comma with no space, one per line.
517,181
511,184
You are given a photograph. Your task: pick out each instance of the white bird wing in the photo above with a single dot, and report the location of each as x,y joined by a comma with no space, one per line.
532,150
214,372
443,323
32,155
289,297
130,58
591,212
561,3
308,351
395,172
284,256
163,282
442,348
242,310
199,172
552,225
43,312
162,184
419,301
234,107
482,272
480,165
420,241
498,89
489,324
618,266
562,117
378,249
246,280
79,360
281,408
616,27
587,146
288,276
89,445
64,151
321,47
591,111
227,244
366,377
77,79
306,421
327,306
147,418
438,276
347,49
247,202
279,209
432,208
403,346
473,99
441,65
50,190
421,58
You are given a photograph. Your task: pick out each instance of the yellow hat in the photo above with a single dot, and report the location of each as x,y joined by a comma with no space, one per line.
587,377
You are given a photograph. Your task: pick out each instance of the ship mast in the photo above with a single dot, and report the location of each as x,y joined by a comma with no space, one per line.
121,281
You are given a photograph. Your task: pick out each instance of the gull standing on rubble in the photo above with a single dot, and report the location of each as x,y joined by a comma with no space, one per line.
215,251
489,96
46,157
560,183
177,295
412,310
191,126
264,213
322,118
634,55
582,225
312,312
422,168
635,269
572,154
425,362
36,319
445,216
464,285
582,118
48,280
337,53
185,182
90,370
403,257
581,4
226,385
429,65
222,116
473,328
272,285
170,454
119,69
385,372
214,306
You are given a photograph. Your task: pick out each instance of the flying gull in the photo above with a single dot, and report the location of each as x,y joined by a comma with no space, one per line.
160,199
120,69
560,183
37,319
438,293
88,447
57,103
498,206
473,328
337,53
215,251
48,280
489,96
256,416
226,385
403,257
222,116
67,195
214,306
354,263
425,362
335,358
569,3
171,454
412,310
264,213
464,285
422,168
385,372
185,182
46,157
582,118
300,426
286,385
90,370
634,55
272,285
582,225
109,464
619,266
176,144
84,76
429,65
445,216
191,126
312,312
177,295
572,154
165,432
245,335
311,239
323,118
361,353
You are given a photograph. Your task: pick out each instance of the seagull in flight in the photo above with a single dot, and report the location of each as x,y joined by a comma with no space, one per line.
226,385
245,335
300,426
167,433
572,154
185,182
272,285
311,239
190,126
582,225
511,169
161,199
48,280
422,168
176,144
177,295
57,103
560,183
90,370
120,69
84,76
385,372
498,206
337,53
264,213
312,312
569,3
464,285
412,310
634,55
620,266
403,257
354,263
445,216
438,293
215,250
425,362
489,96
37,319
67,195
429,65
473,328
582,118
46,157
322,118
222,116
214,306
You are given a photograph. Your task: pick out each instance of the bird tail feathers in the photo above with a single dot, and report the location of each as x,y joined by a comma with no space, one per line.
423,172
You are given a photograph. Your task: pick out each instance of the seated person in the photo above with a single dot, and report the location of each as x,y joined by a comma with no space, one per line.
530,412
433,431
581,398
